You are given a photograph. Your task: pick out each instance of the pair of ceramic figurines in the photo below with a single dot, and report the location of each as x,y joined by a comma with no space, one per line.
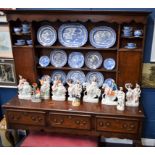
120,98
27,92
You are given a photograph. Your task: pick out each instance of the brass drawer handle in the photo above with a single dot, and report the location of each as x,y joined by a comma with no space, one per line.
33,118
77,122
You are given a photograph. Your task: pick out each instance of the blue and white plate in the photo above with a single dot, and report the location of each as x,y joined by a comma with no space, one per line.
109,64
76,60
58,58
109,82
72,35
102,37
93,60
76,75
44,61
60,74
46,35
90,76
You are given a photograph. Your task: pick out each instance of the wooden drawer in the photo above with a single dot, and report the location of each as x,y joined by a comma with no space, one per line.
26,117
117,124
72,121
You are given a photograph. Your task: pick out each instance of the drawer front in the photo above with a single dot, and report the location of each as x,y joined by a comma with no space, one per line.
26,117
117,125
72,121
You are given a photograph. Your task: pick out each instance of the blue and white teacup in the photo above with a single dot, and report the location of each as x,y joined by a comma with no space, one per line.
128,28
138,33
131,45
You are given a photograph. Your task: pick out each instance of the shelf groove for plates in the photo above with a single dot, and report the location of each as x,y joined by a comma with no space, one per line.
83,69
77,48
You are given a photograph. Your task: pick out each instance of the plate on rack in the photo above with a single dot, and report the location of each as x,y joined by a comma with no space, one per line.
76,75
98,75
46,35
102,37
109,82
76,60
109,64
72,35
44,61
58,58
93,60
59,73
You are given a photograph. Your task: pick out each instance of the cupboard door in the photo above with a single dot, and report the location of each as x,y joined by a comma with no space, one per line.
25,63
129,67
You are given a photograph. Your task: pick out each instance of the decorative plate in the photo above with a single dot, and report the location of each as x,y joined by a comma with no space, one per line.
58,58
46,35
44,61
76,75
93,60
109,82
59,73
109,63
76,60
102,37
72,35
98,75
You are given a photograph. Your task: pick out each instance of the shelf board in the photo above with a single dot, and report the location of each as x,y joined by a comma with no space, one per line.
77,48
83,69
126,49
25,46
21,34
132,37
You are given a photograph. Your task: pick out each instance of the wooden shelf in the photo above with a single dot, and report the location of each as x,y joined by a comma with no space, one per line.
126,49
83,69
132,37
21,34
25,46
77,48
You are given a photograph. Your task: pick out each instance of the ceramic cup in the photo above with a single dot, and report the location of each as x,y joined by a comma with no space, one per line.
132,45
138,33
29,42
17,29
128,28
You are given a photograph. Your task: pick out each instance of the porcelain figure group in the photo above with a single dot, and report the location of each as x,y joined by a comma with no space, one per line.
91,92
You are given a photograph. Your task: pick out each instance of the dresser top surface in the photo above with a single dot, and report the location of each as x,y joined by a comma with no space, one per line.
84,108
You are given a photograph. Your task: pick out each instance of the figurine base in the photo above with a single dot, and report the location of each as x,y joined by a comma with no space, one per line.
45,97
90,100
35,100
120,108
132,104
70,99
58,98
75,103
108,102
24,97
